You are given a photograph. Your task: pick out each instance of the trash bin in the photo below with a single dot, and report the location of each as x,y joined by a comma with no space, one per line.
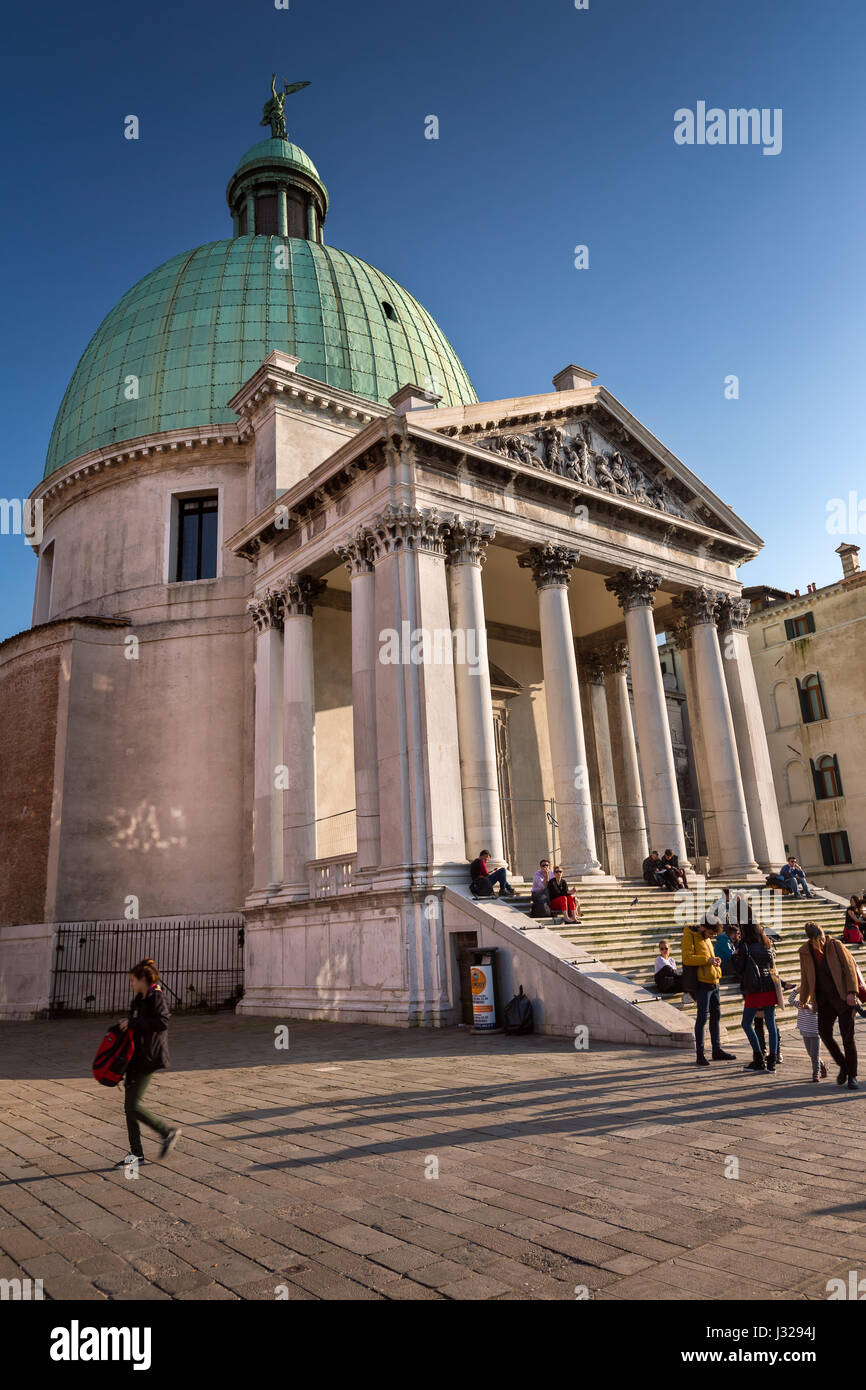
482,975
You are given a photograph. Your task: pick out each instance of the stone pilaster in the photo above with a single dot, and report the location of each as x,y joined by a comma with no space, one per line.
632,812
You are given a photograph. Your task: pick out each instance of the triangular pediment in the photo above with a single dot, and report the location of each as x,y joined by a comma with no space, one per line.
592,440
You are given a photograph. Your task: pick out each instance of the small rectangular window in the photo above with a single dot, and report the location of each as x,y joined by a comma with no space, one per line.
197,538
800,626
834,848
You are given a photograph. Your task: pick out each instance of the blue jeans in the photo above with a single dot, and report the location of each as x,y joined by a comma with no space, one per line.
792,881
709,1006
498,876
769,1011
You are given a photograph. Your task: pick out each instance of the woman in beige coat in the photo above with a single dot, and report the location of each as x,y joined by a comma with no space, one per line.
828,981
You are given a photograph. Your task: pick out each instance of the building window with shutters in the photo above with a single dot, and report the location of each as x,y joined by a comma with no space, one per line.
196,538
800,626
835,849
828,783
812,699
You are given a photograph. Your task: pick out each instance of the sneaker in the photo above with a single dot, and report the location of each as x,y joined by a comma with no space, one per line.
814,1078
169,1142
756,1064
770,1064
701,1060
130,1159
719,1055
852,1084
822,1071
842,1077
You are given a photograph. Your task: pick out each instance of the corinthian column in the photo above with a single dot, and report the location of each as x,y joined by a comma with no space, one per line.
356,553
551,567
635,589
756,770
466,549
632,813
295,598
268,755
594,668
700,609
683,636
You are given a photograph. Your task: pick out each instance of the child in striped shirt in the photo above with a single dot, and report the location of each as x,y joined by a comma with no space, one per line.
807,1027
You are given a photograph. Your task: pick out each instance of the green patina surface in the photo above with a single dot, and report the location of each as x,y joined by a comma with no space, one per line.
194,329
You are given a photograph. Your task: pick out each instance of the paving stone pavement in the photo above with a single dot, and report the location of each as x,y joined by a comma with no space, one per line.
303,1174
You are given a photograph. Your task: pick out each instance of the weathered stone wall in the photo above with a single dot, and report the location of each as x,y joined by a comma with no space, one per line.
30,687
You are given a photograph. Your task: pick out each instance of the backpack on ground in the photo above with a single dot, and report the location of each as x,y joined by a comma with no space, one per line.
852,935
482,888
518,1014
113,1055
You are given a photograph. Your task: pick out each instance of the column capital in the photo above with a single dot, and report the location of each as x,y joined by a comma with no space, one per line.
296,596
551,565
594,666
699,605
633,588
265,611
467,542
615,658
682,635
408,528
734,613
356,551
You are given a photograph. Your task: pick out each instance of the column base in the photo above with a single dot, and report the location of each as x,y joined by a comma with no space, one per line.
745,873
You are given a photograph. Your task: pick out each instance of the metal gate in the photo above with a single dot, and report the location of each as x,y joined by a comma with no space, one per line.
200,961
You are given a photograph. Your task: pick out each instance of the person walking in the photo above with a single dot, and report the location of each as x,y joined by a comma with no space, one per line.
755,965
828,981
807,1027
148,1019
704,969
560,898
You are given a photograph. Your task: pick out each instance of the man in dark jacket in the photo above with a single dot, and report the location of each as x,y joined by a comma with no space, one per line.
148,1020
653,872
481,880
671,868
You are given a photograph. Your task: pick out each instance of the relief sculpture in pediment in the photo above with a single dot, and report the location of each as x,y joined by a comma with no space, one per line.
580,454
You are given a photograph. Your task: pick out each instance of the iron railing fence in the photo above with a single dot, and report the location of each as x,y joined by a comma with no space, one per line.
200,960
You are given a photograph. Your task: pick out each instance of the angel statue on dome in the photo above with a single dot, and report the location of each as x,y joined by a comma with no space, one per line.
273,112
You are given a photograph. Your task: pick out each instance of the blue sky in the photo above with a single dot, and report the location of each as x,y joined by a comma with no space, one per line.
556,129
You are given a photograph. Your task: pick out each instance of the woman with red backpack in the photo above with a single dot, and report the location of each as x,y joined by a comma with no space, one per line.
852,932
148,1020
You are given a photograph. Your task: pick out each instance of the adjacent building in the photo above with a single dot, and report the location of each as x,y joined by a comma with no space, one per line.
808,656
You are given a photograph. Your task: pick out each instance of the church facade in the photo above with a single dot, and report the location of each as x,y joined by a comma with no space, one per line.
313,626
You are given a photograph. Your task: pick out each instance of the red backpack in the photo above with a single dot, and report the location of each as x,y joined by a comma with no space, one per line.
852,934
114,1055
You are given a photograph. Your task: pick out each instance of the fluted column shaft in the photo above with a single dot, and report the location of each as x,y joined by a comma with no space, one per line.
356,554
768,842
482,813
268,753
632,813
551,567
297,596
700,608
595,674
683,636
635,590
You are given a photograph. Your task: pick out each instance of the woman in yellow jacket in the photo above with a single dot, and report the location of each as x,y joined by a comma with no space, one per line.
698,952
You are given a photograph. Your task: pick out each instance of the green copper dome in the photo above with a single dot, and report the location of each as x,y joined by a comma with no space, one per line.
193,330
281,152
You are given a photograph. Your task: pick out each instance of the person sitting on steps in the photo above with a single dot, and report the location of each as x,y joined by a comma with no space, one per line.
670,866
653,872
481,880
560,898
540,897
667,981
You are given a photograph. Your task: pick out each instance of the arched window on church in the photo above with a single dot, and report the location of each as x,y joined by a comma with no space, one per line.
825,771
812,699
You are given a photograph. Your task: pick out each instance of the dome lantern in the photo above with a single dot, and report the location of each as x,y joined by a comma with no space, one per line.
276,189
